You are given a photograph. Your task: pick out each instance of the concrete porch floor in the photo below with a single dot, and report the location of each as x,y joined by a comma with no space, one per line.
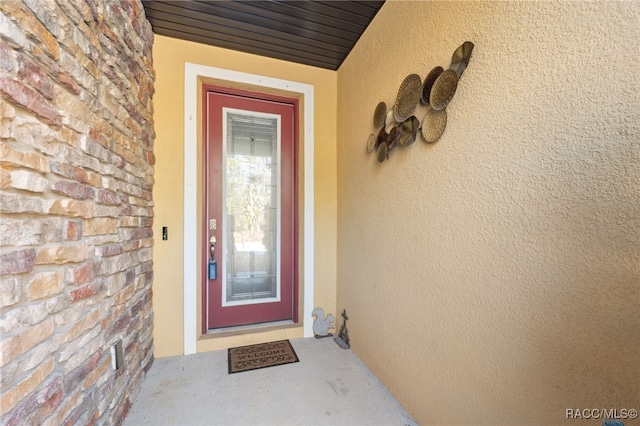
329,386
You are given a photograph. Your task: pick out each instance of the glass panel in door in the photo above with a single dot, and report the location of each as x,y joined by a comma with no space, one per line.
252,200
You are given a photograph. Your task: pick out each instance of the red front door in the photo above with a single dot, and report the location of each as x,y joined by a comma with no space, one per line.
250,198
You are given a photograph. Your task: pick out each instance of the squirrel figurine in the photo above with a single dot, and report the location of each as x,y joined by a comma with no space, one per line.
322,325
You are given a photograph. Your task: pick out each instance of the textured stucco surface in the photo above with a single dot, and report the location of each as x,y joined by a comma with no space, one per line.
493,277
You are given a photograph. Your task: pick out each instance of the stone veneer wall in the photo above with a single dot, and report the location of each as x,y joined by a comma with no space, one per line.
76,177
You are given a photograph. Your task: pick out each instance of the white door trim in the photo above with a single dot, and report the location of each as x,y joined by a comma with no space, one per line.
191,239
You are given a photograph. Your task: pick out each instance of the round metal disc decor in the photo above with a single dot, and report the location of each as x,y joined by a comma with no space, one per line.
443,89
408,97
382,152
408,131
379,114
392,139
433,124
428,83
371,143
460,58
382,138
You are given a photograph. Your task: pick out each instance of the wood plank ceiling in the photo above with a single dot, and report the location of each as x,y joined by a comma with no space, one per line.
316,33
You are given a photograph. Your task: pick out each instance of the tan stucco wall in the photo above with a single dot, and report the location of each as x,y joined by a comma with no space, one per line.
169,56
492,278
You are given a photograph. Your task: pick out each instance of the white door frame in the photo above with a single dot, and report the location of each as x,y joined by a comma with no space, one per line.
191,239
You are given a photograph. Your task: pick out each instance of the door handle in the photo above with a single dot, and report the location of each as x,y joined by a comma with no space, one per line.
213,265
212,245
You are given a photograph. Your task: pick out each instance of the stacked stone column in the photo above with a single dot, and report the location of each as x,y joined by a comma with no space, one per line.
76,208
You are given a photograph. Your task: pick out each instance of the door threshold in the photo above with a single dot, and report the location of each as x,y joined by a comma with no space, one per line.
250,329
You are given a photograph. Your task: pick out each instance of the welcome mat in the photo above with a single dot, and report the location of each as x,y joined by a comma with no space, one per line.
262,355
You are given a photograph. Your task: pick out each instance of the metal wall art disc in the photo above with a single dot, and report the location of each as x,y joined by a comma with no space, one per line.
408,130
443,89
433,124
392,139
382,138
382,152
428,83
408,97
371,143
379,114
460,58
